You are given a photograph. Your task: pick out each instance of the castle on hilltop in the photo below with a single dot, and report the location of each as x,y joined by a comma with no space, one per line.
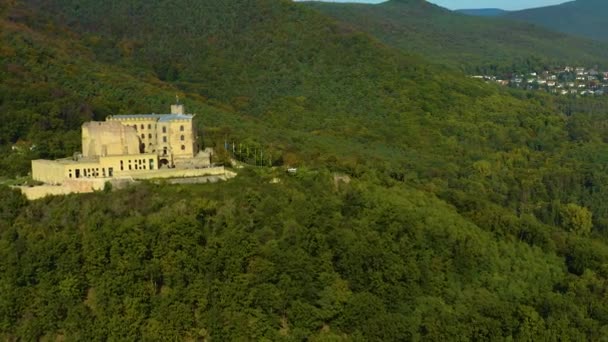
137,146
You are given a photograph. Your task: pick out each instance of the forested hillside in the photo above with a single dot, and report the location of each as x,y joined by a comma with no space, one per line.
292,261
483,12
469,43
584,18
469,212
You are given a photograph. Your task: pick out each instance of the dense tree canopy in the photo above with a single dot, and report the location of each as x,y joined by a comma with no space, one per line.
472,212
250,259
473,44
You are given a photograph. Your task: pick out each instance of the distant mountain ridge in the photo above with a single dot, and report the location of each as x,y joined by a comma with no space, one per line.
470,43
585,18
483,12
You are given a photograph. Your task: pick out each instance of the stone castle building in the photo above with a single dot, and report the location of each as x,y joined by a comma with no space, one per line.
131,146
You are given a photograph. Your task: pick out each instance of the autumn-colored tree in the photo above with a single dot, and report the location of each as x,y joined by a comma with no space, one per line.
576,219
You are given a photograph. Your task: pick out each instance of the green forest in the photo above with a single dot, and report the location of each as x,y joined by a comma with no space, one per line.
426,206
473,44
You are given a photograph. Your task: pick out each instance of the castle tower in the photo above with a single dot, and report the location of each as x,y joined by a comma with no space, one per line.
177,108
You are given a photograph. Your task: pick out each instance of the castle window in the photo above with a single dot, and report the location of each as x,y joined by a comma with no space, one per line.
181,138
143,136
164,129
135,126
142,126
150,136
149,126
122,168
164,139
181,128
183,147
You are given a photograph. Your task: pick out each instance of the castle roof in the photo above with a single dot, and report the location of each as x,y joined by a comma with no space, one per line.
158,117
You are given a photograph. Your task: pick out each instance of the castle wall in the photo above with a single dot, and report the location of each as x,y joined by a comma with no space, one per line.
48,171
59,171
146,130
182,138
121,164
72,186
86,185
168,138
175,173
108,138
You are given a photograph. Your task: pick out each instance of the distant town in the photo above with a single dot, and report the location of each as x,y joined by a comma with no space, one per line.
561,81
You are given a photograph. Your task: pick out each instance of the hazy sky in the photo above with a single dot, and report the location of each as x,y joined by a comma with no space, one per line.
460,4
504,4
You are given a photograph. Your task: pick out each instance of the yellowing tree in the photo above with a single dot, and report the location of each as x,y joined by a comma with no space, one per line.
575,218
